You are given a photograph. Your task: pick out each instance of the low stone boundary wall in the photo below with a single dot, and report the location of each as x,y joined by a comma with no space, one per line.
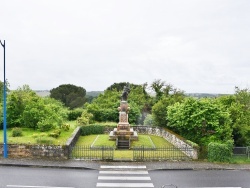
40,151
174,139
63,151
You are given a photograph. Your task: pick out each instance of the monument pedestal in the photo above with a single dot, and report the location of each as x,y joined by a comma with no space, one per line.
123,133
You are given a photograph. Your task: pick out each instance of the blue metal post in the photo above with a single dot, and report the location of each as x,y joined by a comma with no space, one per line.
5,145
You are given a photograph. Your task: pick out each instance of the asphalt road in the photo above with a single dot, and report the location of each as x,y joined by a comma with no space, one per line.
19,177
24,177
201,178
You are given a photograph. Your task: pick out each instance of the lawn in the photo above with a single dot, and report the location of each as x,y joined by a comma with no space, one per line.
148,141
240,159
31,136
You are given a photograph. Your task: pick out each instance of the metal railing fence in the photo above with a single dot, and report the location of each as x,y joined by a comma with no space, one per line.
92,153
244,151
160,153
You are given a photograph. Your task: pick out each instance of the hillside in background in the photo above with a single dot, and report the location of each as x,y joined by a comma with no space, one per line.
44,93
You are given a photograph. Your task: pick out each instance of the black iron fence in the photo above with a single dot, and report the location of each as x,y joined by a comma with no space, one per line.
161,153
244,151
138,153
92,153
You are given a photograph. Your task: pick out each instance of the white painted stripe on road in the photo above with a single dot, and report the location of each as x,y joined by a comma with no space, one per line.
124,185
125,167
123,172
122,178
28,186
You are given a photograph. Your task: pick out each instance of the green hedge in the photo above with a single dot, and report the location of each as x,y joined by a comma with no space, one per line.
92,129
218,152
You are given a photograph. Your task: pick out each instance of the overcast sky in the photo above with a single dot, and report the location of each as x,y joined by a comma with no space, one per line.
195,45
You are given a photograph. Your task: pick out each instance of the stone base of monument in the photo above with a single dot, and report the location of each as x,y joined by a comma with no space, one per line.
123,133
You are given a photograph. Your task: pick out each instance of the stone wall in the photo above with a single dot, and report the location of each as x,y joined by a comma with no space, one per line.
41,151
174,139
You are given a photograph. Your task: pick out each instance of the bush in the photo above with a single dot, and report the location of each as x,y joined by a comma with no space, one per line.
218,152
74,114
16,132
66,127
55,134
92,129
45,125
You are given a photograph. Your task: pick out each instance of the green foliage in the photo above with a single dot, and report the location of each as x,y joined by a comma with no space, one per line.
75,113
55,134
17,132
85,119
92,129
238,106
65,127
46,125
26,109
218,152
148,120
194,145
200,120
162,89
159,110
17,101
70,95
104,107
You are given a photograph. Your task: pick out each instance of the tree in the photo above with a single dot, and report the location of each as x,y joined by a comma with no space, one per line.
26,109
104,107
70,95
16,103
201,121
166,95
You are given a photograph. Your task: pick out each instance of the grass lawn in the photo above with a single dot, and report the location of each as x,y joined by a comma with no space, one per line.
148,141
240,159
30,136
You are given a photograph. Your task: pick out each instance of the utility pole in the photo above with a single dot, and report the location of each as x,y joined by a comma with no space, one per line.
5,145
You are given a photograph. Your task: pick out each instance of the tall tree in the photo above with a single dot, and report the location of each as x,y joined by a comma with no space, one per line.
201,121
70,95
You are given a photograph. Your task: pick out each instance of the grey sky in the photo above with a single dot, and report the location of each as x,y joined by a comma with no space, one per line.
196,45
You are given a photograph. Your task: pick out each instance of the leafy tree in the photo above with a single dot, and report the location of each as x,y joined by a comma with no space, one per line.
117,86
238,105
17,100
104,107
26,109
201,121
70,95
166,95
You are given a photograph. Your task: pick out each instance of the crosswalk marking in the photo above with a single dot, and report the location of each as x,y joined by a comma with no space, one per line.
123,178
124,185
123,172
123,167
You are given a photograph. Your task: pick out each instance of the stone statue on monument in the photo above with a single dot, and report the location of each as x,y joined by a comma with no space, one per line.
126,90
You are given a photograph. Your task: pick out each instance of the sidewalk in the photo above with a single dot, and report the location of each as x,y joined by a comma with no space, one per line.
82,164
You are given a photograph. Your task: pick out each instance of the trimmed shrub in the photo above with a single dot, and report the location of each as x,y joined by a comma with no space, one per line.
218,152
17,132
92,129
